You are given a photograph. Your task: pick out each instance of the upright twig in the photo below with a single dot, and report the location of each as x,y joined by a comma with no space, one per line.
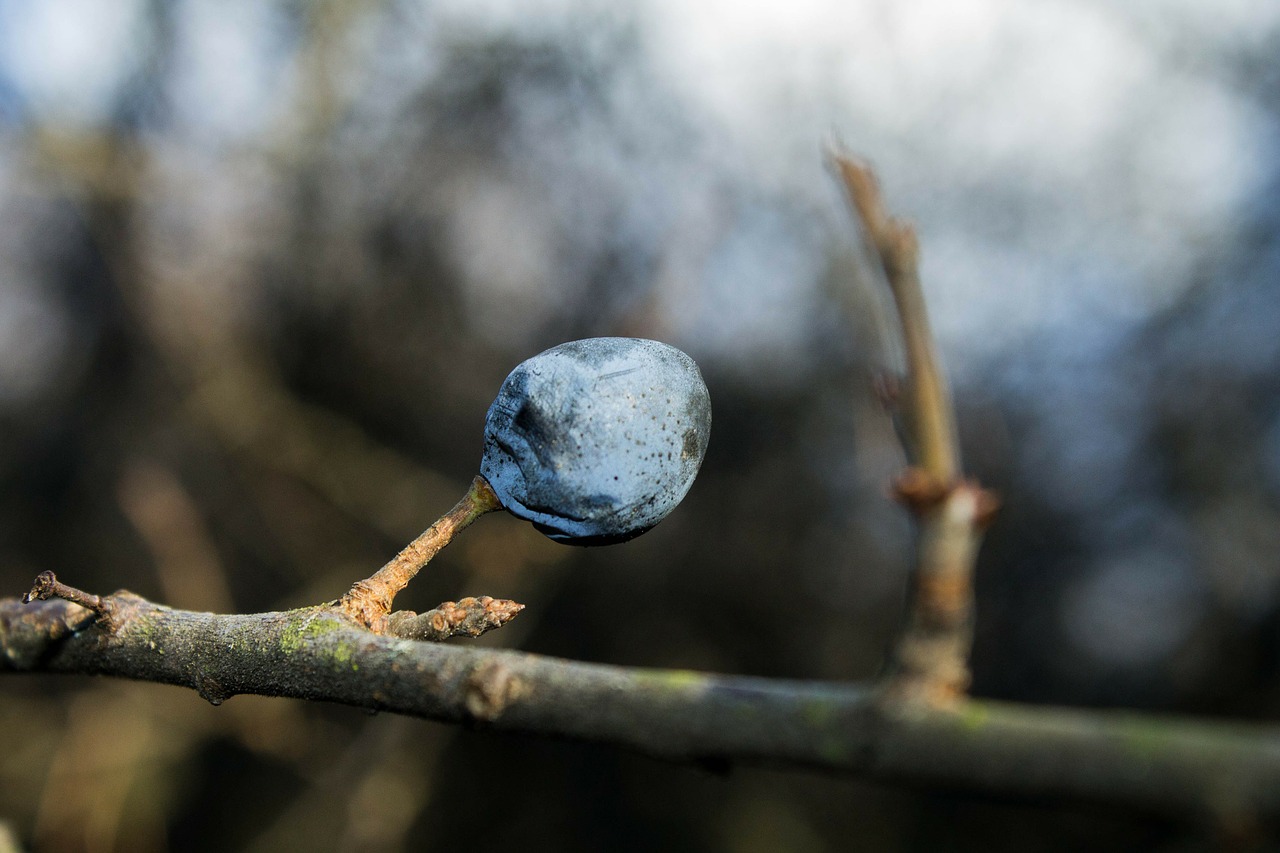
927,402
931,659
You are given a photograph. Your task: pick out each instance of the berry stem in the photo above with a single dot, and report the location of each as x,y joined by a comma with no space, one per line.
369,601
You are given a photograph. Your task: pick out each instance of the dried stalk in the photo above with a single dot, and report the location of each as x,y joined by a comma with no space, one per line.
369,601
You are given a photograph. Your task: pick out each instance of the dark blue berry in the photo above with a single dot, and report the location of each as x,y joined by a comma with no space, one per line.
595,441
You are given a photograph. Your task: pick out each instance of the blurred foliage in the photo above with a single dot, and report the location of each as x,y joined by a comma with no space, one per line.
246,346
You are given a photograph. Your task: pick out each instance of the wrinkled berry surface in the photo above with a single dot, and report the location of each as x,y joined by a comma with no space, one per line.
595,441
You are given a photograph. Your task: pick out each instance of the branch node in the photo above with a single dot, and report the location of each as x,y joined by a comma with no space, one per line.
490,689
919,490
369,601
908,694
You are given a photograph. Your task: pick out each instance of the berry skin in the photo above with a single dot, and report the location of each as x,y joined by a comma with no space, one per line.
596,441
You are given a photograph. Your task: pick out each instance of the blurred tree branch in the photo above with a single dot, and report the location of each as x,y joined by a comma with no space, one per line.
932,657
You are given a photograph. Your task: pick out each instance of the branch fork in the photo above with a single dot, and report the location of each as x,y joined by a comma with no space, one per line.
369,601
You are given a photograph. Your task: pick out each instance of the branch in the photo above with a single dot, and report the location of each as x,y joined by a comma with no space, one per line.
1216,771
932,656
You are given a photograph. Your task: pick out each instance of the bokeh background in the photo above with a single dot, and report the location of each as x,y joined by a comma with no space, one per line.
263,265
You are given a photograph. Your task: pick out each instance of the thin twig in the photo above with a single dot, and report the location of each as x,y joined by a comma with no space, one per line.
928,401
369,601
47,586
931,659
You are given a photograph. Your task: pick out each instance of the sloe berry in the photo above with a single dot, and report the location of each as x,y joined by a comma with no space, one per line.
596,441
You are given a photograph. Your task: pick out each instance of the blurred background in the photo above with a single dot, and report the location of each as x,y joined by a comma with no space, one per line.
263,265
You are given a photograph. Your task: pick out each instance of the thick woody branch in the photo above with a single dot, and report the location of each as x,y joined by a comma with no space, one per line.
1215,771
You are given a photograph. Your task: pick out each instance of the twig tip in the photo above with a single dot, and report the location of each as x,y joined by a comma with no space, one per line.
47,586
42,588
468,617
